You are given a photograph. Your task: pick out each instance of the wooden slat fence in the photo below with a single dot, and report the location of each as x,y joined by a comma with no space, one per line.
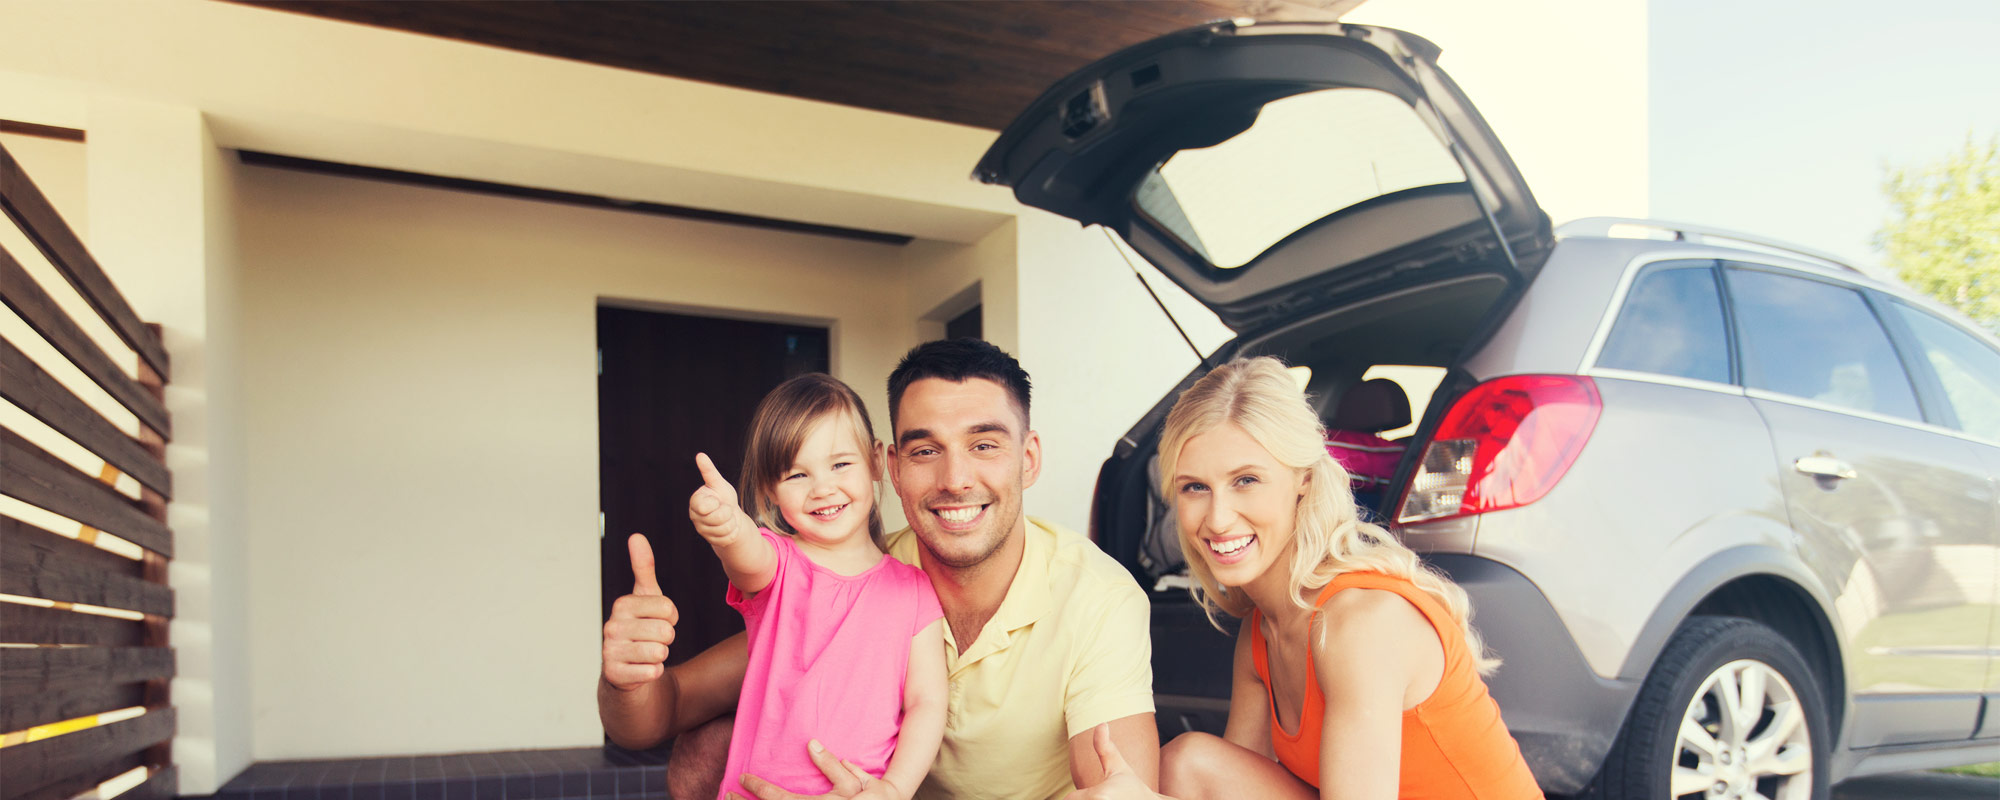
85,629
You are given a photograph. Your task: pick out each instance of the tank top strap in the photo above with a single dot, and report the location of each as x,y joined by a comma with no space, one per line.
1258,658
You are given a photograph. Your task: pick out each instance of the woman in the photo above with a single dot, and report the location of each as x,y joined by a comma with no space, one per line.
1357,672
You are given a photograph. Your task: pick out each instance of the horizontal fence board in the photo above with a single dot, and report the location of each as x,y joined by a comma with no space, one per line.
45,684
102,560
50,669
76,762
21,624
19,711
35,307
36,563
163,784
32,211
34,477
24,383
73,787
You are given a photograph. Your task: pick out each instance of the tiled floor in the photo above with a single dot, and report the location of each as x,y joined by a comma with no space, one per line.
592,773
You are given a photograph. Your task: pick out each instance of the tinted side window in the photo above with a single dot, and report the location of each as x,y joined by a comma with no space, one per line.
1671,325
1968,368
1818,341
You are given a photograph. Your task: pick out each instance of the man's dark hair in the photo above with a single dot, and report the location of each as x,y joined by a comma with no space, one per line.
957,360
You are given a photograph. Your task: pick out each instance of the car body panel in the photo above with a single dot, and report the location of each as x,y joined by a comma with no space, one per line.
1877,538
1626,502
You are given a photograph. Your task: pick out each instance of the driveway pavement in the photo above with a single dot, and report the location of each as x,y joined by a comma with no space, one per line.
1918,786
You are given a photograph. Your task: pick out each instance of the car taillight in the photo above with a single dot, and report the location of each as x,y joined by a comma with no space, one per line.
1503,445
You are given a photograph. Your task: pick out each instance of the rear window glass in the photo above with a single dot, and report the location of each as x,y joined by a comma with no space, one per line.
1967,368
1817,341
1306,156
1671,325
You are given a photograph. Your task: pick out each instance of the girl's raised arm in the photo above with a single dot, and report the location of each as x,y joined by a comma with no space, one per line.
748,560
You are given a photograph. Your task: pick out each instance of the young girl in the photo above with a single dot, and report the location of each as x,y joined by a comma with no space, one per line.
1357,671
846,644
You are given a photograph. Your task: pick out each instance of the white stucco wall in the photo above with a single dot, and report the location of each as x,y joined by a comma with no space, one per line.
422,426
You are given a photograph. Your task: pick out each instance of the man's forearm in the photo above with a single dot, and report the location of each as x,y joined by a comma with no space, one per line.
642,718
687,695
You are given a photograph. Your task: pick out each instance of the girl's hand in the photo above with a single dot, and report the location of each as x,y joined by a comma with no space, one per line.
878,789
713,508
1120,782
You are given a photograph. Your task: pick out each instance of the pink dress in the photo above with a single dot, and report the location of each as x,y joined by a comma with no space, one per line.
828,655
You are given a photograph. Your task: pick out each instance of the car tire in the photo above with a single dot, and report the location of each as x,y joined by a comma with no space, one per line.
1696,688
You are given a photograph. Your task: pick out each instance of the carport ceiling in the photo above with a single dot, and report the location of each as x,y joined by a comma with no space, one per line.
973,62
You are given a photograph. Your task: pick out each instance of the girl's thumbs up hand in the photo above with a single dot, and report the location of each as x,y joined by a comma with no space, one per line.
713,507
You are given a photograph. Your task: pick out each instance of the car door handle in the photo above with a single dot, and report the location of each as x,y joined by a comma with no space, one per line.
1824,466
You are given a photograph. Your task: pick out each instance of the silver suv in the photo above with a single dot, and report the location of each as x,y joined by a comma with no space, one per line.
1726,508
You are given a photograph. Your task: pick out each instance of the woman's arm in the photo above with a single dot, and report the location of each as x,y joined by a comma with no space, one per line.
1249,703
923,713
1370,664
748,560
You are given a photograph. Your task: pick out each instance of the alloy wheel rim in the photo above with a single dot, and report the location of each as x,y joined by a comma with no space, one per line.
1743,737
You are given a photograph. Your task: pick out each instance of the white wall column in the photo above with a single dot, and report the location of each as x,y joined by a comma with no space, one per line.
1099,350
161,202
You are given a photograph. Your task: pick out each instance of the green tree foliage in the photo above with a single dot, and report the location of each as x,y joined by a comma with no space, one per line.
1943,233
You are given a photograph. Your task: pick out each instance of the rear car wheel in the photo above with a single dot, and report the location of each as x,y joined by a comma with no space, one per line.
1730,711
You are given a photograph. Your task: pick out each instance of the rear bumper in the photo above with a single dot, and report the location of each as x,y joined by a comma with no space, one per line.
1563,715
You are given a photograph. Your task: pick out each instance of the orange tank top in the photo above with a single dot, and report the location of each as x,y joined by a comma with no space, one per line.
1454,743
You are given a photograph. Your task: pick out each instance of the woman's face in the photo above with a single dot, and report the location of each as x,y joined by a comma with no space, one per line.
1235,503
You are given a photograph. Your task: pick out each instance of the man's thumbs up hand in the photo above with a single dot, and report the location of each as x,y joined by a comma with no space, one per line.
641,625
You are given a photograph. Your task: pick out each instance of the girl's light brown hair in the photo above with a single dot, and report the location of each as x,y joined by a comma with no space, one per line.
779,428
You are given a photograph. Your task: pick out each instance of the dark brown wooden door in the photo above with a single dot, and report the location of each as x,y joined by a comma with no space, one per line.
669,386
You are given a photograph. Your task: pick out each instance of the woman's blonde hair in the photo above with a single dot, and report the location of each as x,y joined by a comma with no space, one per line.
1260,396
779,428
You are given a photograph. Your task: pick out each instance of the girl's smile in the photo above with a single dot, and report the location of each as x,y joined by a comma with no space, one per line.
827,492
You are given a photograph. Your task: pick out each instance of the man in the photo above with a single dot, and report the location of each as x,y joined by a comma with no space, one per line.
1046,637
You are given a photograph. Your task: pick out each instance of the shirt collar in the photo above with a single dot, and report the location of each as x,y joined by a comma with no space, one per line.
1028,597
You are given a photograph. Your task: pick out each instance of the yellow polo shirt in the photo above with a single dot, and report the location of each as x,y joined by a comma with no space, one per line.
1069,648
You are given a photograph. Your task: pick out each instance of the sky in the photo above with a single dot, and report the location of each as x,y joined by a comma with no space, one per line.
1781,117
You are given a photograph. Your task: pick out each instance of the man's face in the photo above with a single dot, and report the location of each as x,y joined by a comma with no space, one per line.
962,457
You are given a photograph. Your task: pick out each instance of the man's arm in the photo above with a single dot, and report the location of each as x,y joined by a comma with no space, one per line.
1137,739
687,695
1112,684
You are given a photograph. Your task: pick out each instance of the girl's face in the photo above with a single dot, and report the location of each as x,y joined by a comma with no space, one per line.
1236,503
829,489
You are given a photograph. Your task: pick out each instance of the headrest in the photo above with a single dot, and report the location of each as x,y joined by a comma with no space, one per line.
1372,406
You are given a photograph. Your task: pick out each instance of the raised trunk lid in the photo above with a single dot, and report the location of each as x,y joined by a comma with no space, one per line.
1268,167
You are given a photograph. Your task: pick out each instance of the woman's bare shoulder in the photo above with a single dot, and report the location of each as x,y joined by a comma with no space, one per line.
1370,619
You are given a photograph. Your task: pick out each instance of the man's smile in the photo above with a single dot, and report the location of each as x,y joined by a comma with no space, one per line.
959,517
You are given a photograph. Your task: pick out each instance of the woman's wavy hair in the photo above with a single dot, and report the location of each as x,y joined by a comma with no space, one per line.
1260,396
779,428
